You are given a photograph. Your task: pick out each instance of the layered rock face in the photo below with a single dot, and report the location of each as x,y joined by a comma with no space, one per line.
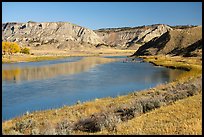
146,40
131,38
185,42
65,35
61,35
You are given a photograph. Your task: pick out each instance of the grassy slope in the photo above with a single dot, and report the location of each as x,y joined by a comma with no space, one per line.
183,117
76,112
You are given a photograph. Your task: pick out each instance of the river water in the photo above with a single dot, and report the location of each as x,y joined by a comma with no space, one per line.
51,84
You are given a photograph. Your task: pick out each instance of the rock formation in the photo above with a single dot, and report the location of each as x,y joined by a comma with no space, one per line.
146,40
61,35
185,42
131,38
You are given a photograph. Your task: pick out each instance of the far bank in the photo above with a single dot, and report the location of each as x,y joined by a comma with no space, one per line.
40,55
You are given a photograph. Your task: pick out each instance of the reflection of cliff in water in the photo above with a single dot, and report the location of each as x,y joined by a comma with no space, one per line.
18,74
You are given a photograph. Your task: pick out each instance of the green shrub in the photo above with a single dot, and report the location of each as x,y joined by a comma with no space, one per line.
25,50
150,104
126,113
90,124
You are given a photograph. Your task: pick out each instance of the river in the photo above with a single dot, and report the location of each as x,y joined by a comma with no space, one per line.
44,85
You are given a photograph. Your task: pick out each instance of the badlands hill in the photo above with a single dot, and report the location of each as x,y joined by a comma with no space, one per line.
185,42
145,40
131,38
46,35
65,35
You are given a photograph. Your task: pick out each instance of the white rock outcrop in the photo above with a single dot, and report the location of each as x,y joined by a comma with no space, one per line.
57,34
128,37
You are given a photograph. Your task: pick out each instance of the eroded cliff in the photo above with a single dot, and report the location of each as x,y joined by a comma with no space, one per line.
60,35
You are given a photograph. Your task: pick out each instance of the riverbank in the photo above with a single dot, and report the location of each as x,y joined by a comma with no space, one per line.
29,58
40,55
113,115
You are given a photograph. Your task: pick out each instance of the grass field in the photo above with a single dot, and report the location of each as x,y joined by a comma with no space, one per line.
182,117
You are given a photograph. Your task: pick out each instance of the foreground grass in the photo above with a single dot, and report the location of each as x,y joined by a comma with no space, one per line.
167,119
183,117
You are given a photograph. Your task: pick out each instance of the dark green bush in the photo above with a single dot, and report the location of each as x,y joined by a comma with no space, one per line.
97,122
25,50
91,124
126,113
149,105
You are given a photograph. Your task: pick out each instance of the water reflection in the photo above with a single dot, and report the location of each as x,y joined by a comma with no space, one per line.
18,74
170,74
45,89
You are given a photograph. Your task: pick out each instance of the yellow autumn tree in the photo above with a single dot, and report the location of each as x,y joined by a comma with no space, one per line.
14,48
5,46
10,47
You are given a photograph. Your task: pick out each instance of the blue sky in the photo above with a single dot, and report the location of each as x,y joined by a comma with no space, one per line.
96,15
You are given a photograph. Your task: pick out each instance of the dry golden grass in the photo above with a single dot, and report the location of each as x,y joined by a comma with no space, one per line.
184,117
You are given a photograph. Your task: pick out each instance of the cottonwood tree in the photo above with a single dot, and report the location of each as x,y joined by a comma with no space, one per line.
10,48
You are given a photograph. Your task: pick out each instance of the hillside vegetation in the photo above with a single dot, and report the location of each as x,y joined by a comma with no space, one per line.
184,117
